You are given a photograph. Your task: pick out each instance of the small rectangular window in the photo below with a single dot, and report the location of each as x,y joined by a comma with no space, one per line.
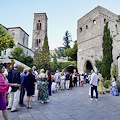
80,29
105,20
94,21
86,26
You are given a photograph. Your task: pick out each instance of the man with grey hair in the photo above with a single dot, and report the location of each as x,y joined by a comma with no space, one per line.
15,92
57,79
22,91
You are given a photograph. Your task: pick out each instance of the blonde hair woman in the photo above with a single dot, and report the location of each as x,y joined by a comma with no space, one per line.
42,87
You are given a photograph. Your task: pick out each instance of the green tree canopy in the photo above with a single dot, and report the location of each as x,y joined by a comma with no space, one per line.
55,65
67,39
18,54
72,52
42,56
98,64
60,51
107,53
118,20
6,40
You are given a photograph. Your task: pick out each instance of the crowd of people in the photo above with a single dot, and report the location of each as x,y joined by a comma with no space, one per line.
16,84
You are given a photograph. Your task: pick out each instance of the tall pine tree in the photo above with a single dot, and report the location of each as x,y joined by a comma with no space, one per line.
107,53
42,56
67,39
55,65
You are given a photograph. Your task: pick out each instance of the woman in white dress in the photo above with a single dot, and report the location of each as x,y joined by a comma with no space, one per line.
62,81
82,80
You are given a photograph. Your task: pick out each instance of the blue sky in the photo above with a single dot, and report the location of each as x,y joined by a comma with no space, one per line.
62,15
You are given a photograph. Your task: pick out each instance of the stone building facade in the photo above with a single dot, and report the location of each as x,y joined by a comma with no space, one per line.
90,37
39,30
21,38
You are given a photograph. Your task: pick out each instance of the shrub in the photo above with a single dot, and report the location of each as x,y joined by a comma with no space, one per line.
115,70
107,83
118,84
62,65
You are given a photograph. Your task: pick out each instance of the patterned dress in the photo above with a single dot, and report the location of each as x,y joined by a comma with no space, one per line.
43,89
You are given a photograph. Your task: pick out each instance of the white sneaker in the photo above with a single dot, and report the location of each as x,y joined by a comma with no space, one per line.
47,101
42,102
91,98
96,99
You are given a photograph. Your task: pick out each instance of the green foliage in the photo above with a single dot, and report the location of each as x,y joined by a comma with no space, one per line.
62,65
60,52
115,71
42,56
67,39
107,83
118,20
55,65
107,53
19,55
28,60
6,40
72,52
45,47
98,65
118,84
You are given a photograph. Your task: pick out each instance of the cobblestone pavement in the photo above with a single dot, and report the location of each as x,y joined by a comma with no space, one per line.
71,105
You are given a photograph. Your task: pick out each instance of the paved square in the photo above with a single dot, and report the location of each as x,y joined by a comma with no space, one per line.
71,105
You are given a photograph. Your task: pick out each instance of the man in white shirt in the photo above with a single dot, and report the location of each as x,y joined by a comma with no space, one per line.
94,84
57,79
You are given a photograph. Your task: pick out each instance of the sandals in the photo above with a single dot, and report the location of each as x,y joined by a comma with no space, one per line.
29,107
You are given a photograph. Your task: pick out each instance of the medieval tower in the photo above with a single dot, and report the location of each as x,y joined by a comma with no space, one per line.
90,37
39,30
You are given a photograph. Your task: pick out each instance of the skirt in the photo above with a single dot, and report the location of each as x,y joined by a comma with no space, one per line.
100,87
2,102
115,91
43,91
30,91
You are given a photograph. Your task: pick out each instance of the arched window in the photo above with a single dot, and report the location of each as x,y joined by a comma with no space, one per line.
39,41
94,21
38,26
5,52
37,44
80,29
24,39
86,26
105,20
27,53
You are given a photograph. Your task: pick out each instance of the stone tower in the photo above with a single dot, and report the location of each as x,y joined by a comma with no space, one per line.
90,37
39,30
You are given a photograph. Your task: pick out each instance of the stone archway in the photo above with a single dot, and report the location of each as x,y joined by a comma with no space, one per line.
88,66
69,69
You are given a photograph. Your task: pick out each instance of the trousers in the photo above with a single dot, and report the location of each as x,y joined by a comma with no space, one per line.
14,100
94,88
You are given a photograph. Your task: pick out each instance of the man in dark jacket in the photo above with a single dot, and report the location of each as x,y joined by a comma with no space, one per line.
15,92
22,91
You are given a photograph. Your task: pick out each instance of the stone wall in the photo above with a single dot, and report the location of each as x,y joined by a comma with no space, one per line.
90,36
39,18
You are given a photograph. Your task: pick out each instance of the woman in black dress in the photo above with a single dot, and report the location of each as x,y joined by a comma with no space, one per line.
30,87
49,82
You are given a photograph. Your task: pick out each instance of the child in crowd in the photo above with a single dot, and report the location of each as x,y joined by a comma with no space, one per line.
54,86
